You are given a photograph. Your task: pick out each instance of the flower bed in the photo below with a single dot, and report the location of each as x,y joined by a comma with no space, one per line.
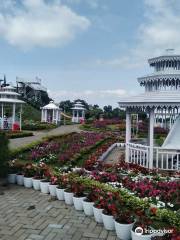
116,204
65,150
139,188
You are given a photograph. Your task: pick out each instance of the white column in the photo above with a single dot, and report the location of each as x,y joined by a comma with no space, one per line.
13,114
77,119
57,116
2,116
73,116
45,113
42,115
128,133
20,118
53,116
151,137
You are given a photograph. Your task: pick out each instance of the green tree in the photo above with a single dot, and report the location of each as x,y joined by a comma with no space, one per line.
4,155
66,105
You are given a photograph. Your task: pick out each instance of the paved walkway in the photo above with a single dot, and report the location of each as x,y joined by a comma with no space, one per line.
20,142
114,156
26,214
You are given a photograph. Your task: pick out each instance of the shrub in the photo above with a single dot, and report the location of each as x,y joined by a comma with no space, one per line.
4,155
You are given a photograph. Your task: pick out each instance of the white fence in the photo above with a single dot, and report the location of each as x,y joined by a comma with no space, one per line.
164,159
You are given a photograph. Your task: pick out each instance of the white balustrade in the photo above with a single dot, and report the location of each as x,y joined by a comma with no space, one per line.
164,159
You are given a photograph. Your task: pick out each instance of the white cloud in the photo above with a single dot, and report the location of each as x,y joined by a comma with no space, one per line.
159,31
37,23
103,97
91,3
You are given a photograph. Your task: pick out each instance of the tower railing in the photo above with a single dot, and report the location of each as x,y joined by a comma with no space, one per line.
164,159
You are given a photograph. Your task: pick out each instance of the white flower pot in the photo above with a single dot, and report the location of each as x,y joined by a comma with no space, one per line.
136,236
123,231
68,196
78,203
52,190
36,184
20,179
12,178
97,214
44,186
60,193
88,208
108,221
28,182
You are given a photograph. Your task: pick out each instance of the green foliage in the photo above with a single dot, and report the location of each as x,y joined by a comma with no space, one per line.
30,112
12,135
163,216
4,155
33,126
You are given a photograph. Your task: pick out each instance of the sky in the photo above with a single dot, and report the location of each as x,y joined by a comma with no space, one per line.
88,49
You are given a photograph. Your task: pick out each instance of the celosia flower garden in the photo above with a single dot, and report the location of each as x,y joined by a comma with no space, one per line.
128,193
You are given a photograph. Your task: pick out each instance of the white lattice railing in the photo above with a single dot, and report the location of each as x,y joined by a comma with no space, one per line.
138,154
164,159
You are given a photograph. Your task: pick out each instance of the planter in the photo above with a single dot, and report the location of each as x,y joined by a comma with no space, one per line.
52,190
123,231
44,186
98,214
12,178
60,193
36,184
108,221
20,179
136,236
88,207
28,182
68,196
78,203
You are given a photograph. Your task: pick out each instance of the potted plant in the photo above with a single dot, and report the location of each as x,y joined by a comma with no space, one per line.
44,184
12,171
61,185
124,221
52,186
98,206
142,227
28,174
88,203
68,194
20,175
40,170
78,196
109,210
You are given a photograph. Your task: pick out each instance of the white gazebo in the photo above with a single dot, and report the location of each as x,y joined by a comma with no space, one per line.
51,113
78,112
161,102
10,109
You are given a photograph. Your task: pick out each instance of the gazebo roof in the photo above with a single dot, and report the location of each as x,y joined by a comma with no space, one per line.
78,106
154,98
159,76
51,106
10,100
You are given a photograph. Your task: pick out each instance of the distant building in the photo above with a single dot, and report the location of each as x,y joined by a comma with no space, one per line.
32,91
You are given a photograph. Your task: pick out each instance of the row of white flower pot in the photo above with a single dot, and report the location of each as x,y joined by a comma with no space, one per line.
123,231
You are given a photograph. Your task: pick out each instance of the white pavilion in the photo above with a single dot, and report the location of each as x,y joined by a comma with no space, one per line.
10,109
78,112
161,102
51,113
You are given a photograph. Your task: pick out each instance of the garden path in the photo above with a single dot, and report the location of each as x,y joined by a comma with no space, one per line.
38,135
114,155
26,214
